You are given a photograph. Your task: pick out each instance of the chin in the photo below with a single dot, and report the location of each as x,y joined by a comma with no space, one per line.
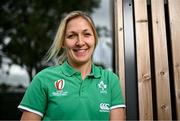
83,60
79,59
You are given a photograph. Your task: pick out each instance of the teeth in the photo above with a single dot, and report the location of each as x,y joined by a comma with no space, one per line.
80,50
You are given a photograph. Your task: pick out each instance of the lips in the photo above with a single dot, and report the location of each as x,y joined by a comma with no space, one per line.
80,52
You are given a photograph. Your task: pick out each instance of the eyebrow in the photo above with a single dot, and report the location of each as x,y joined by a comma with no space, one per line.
85,30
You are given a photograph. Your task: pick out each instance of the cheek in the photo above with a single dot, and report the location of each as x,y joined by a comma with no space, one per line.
92,43
68,44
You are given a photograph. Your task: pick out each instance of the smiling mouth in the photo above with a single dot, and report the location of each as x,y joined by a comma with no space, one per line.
80,52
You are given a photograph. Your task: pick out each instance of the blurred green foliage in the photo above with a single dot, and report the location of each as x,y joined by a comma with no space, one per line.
28,27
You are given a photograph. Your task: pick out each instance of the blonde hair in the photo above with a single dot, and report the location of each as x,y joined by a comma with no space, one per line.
56,51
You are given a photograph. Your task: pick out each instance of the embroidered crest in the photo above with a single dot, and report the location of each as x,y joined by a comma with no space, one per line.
102,87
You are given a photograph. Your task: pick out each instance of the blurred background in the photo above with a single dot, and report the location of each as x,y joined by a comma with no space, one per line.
27,29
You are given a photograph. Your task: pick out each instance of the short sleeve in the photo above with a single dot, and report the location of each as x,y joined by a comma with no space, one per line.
117,99
35,98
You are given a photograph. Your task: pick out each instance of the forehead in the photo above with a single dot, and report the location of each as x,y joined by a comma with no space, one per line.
78,23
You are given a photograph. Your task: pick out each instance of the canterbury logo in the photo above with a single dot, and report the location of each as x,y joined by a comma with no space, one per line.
104,106
59,84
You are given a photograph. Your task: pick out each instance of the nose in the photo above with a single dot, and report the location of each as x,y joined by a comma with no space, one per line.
80,41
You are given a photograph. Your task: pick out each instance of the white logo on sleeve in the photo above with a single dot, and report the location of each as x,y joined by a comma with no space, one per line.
104,107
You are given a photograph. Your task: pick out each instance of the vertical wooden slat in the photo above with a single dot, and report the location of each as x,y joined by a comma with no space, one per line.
174,14
119,42
161,61
143,61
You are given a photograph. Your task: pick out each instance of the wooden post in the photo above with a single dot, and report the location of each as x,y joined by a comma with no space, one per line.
174,14
143,61
119,42
161,61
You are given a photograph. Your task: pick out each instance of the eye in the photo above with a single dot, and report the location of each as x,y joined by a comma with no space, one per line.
87,34
70,36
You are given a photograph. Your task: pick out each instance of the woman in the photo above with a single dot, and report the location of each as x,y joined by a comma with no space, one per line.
75,89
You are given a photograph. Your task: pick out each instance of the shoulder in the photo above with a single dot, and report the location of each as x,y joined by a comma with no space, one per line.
45,77
48,71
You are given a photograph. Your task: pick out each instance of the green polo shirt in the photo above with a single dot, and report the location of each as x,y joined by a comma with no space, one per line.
59,93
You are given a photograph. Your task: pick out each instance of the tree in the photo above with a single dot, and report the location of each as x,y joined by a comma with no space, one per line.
27,28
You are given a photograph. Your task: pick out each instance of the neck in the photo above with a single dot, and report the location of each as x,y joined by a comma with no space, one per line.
85,68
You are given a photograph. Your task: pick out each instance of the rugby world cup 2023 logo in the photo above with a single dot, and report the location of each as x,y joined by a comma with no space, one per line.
59,84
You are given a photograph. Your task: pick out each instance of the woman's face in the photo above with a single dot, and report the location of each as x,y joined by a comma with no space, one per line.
79,41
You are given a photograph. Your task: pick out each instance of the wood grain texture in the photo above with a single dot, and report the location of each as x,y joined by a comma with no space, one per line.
143,61
174,14
161,61
119,42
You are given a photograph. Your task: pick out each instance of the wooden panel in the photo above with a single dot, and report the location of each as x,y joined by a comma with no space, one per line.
119,42
174,14
161,61
143,61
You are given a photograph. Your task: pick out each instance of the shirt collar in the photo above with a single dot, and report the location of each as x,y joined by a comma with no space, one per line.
68,70
96,72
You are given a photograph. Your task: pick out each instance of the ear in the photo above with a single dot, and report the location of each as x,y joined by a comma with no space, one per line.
63,46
